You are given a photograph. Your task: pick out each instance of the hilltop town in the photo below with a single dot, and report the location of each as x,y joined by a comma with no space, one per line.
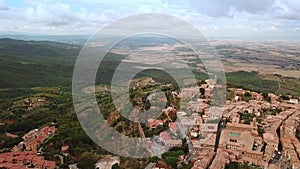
255,129
27,153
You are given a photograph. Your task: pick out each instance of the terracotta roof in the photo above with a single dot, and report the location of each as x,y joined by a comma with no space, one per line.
30,152
165,136
8,159
155,123
20,158
15,167
11,135
174,142
240,125
29,157
5,155
6,165
38,160
44,129
40,138
39,163
18,153
33,142
270,137
286,140
243,139
49,164
173,127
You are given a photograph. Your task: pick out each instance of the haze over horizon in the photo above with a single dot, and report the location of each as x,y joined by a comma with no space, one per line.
262,20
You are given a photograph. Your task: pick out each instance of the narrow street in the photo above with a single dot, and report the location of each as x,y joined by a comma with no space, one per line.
220,127
282,162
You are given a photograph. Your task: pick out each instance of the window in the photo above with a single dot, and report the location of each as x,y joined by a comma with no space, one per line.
233,140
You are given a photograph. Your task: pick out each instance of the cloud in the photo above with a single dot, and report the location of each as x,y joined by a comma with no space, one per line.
252,6
224,8
280,9
59,14
52,14
54,17
296,29
213,8
3,5
288,9
212,16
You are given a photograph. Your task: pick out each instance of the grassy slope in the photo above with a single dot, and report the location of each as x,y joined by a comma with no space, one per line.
251,80
264,83
30,63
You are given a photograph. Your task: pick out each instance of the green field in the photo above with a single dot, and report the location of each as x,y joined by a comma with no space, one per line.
264,84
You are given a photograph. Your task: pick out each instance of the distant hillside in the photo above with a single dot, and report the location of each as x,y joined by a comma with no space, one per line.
37,48
36,63
50,64
26,64
73,39
45,64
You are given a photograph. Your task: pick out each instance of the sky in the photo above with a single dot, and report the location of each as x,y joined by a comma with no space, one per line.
262,19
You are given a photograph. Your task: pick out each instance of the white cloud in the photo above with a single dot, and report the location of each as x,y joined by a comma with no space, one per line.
296,28
222,17
62,16
285,9
3,5
217,8
272,28
51,14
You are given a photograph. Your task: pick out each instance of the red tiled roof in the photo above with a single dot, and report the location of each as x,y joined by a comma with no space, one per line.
23,167
40,138
29,157
5,155
44,129
173,127
49,164
39,163
15,167
8,159
38,158
52,129
17,153
165,136
20,158
11,135
174,142
240,125
32,142
155,123
30,152
6,165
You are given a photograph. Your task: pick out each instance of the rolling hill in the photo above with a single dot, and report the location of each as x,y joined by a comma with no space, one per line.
36,63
